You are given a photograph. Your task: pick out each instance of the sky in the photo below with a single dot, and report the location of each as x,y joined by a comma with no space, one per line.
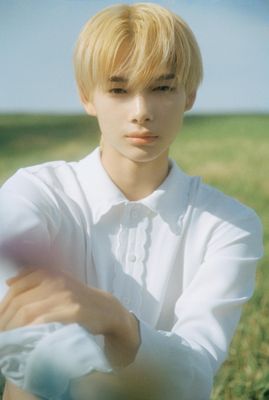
37,39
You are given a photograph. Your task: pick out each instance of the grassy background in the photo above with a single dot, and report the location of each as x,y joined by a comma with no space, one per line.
229,152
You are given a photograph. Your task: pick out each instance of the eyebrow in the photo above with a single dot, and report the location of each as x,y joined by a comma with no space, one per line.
165,77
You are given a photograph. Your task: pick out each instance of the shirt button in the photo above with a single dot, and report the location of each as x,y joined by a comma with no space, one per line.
134,213
132,257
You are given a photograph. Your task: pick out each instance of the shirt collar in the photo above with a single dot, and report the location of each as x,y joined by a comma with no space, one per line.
169,200
100,190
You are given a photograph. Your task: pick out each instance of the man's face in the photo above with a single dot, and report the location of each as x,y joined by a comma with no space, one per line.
139,125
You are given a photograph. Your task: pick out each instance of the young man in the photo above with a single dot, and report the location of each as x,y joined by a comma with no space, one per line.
123,243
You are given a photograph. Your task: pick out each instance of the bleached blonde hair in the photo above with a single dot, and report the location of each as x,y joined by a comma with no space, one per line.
137,40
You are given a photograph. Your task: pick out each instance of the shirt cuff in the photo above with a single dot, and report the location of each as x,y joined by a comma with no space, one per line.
43,359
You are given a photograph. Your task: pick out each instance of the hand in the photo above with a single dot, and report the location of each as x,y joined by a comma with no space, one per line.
38,296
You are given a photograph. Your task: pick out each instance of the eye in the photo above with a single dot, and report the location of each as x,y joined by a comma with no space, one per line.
163,89
117,91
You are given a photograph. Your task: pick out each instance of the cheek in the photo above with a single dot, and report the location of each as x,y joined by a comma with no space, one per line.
105,116
172,109
172,117
105,124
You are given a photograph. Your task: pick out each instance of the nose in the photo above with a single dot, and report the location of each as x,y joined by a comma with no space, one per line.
141,111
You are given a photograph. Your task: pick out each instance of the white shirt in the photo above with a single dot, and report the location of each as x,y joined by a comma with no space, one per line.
182,259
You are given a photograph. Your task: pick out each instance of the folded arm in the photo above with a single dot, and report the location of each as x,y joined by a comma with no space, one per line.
39,294
207,312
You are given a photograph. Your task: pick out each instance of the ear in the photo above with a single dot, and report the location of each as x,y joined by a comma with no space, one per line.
87,104
190,99
90,108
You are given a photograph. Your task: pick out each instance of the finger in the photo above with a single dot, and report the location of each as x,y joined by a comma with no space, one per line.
25,271
21,304
21,318
29,279
64,315
33,314
23,285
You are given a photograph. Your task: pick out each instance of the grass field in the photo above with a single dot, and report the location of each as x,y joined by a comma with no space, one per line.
229,152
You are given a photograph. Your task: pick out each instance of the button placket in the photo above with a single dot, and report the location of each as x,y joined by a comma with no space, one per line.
122,244
132,258
134,213
131,254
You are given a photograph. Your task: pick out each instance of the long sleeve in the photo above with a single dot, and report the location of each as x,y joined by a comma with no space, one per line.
28,222
182,260
207,312
41,359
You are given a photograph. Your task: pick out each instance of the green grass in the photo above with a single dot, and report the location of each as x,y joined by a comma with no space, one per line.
229,152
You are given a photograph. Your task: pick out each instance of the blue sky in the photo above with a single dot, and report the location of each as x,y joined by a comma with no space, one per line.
37,38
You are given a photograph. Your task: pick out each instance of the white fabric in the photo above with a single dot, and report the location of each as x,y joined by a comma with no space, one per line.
44,359
182,259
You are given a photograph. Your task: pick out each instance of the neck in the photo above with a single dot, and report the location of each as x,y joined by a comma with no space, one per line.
136,180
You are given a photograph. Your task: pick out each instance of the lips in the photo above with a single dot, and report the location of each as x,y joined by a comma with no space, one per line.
145,138
140,135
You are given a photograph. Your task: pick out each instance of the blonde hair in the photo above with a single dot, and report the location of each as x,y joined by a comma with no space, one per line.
139,41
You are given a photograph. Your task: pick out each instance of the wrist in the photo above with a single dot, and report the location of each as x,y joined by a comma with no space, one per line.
123,341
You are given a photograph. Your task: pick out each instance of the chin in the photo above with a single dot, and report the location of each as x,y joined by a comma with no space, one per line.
144,155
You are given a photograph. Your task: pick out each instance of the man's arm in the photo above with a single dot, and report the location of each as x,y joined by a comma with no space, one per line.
24,238
44,296
26,304
208,311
